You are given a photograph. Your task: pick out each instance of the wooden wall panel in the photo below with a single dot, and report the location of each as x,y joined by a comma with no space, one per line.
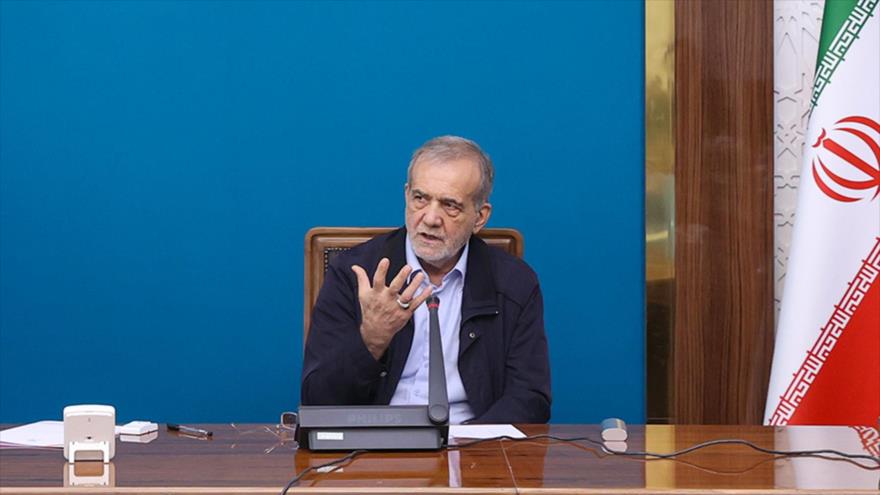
723,330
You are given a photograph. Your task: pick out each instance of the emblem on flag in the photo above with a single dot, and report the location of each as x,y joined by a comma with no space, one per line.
854,155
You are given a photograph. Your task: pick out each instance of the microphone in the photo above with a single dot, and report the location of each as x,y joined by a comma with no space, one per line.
438,400
385,427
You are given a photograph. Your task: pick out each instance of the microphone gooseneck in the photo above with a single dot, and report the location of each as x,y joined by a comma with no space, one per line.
438,400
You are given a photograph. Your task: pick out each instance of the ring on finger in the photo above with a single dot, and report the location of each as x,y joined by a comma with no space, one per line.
403,305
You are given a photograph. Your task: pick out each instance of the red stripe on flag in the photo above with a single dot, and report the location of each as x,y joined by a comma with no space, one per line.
839,380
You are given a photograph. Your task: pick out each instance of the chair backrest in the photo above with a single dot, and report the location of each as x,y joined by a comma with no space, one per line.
325,243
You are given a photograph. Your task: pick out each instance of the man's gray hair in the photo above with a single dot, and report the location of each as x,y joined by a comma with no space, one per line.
449,148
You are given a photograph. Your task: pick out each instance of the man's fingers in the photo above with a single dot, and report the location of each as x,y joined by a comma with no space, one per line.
413,286
400,278
418,300
381,272
362,278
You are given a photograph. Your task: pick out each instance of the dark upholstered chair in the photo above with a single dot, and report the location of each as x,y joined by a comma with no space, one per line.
325,243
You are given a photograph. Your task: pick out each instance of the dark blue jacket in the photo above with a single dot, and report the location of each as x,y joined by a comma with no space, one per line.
502,359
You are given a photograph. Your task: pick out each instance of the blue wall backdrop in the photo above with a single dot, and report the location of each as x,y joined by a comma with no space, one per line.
160,163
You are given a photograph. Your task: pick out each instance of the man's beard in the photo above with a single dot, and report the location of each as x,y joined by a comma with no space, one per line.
437,254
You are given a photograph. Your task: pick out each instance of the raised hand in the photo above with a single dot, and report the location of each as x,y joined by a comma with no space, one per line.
384,309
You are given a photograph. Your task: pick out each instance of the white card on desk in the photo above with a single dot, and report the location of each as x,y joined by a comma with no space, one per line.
39,434
484,431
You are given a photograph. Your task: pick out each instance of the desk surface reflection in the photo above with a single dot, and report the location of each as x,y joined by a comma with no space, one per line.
262,458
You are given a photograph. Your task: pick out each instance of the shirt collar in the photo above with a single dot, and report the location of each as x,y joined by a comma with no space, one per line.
413,261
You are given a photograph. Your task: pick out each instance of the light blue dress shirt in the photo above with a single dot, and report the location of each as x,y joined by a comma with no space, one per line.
412,389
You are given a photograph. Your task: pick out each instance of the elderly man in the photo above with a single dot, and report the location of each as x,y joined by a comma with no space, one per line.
368,341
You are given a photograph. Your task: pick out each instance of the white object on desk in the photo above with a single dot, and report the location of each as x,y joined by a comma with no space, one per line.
145,438
479,432
89,433
614,430
137,428
39,434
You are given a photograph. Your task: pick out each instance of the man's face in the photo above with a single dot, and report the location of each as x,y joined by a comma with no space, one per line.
440,211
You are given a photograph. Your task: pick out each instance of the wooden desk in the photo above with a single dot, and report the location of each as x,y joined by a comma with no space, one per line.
256,459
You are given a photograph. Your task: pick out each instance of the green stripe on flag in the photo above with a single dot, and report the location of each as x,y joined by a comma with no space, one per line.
836,12
841,24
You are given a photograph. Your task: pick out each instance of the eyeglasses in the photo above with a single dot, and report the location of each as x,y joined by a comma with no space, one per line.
284,432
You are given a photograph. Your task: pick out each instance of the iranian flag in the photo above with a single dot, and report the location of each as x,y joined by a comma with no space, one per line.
826,365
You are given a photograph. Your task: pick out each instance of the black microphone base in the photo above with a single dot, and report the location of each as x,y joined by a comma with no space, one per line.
369,428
